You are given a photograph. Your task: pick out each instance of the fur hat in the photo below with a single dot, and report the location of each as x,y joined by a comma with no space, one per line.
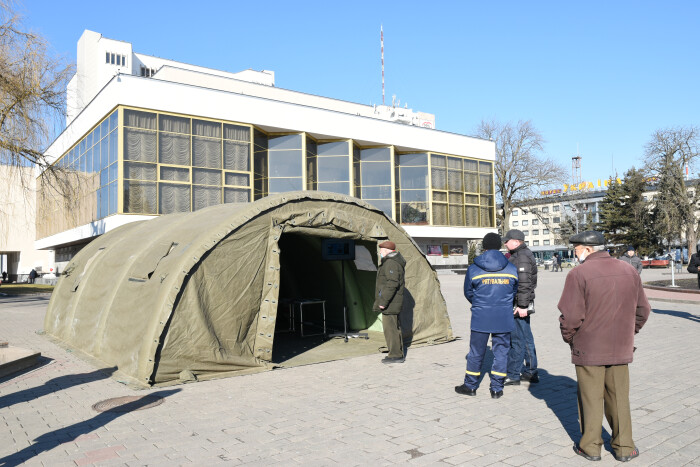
388,245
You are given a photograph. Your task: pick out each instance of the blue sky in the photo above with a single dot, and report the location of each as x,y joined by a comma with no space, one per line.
597,76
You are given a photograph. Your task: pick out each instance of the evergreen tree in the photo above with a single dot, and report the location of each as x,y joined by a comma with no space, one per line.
625,216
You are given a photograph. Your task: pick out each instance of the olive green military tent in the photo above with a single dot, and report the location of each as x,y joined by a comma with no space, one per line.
199,293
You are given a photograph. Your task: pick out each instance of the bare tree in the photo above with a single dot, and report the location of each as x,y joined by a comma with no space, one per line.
667,154
32,103
32,92
521,170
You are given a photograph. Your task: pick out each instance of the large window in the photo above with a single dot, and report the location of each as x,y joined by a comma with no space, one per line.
374,177
412,186
177,164
333,165
462,191
284,161
95,160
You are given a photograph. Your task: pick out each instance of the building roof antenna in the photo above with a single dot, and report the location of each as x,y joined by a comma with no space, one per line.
381,40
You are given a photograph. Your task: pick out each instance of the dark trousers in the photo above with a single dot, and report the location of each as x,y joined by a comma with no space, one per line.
522,349
604,390
392,335
500,343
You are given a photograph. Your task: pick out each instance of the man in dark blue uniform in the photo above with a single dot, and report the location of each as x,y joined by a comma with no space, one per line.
490,286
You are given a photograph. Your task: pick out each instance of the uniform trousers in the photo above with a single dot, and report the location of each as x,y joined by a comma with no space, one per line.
500,343
604,389
392,335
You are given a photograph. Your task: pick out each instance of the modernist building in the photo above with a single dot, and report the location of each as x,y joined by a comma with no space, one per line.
147,136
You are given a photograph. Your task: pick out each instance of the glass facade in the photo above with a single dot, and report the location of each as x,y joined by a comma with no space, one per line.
145,162
462,191
178,164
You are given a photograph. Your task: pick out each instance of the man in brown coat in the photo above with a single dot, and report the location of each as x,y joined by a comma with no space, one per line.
603,306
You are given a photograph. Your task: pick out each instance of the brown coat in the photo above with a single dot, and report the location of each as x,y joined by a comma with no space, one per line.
603,306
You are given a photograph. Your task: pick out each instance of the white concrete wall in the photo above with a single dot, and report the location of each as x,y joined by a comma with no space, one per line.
88,231
17,219
93,72
268,114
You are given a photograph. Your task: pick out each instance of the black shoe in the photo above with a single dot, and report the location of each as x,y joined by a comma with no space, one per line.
393,360
578,451
633,454
511,382
530,378
462,389
496,395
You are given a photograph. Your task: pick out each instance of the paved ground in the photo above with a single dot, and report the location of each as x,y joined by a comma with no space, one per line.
353,412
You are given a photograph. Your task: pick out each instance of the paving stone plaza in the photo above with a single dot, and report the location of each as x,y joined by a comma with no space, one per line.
356,411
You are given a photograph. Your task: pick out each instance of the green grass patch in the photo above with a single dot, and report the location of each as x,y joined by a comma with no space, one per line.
22,289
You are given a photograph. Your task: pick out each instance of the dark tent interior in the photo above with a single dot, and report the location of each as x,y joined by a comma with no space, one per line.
305,275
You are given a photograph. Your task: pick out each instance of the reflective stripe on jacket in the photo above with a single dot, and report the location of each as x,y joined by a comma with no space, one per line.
490,286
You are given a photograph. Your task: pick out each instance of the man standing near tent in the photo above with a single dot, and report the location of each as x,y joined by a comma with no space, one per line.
388,299
603,306
490,286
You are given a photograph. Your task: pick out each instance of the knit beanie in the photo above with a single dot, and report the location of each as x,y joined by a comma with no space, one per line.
491,241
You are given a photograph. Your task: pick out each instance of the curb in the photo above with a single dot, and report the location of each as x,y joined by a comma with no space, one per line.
672,290
33,294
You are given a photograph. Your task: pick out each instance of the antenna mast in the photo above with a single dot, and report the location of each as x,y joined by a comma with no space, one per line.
381,38
576,170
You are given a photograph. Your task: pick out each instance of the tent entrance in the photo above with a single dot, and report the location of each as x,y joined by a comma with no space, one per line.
304,275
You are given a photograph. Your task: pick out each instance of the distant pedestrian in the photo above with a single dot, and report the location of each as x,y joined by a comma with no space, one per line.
4,276
679,261
630,257
490,286
603,305
694,263
556,262
32,276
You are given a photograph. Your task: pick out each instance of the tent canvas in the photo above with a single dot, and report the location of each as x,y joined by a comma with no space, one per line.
199,293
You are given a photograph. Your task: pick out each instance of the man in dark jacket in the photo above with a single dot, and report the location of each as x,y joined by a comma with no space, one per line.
522,358
694,263
490,286
603,306
631,258
388,299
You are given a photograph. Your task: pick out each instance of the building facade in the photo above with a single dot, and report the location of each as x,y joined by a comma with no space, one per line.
541,218
18,256
147,136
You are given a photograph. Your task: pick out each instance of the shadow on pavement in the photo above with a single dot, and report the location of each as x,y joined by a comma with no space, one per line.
677,314
56,384
50,440
560,395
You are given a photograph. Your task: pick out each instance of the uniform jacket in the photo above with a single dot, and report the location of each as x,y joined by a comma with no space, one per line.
633,261
390,284
603,306
523,259
490,286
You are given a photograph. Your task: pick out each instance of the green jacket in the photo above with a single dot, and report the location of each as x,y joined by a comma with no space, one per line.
390,284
